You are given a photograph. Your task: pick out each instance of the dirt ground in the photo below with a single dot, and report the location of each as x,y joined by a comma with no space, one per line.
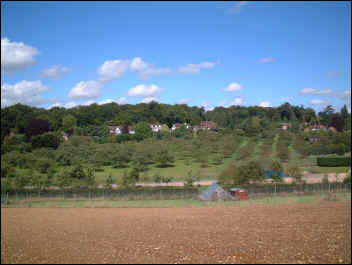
289,233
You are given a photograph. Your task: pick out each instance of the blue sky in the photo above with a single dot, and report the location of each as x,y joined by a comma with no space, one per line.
199,53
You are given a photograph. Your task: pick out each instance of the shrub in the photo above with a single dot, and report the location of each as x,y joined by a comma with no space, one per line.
294,172
334,161
347,179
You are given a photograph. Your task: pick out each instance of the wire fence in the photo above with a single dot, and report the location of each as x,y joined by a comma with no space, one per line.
28,196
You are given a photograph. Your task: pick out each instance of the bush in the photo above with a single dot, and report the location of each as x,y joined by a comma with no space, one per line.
347,180
294,172
334,161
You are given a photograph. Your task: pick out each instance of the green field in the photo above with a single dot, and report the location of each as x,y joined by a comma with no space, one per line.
315,198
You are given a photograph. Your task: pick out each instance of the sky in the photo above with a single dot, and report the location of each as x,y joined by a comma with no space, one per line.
197,53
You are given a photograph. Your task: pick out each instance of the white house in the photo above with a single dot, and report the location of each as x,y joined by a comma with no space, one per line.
115,129
156,127
179,125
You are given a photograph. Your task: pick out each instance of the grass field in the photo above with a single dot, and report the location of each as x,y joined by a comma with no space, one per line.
100,203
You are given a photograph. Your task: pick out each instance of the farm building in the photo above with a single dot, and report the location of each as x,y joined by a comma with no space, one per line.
207,125
239,194
214,192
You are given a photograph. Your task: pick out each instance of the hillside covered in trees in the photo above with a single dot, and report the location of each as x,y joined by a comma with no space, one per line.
251,119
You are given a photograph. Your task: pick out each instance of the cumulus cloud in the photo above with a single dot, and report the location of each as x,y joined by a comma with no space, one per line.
109,100
195,68
267,60
55,72
314,91
24,92
85,90
149,99
207,106
144,91
264,104
146,70
16,56
233,87
237,101
113,70
319,102
67,105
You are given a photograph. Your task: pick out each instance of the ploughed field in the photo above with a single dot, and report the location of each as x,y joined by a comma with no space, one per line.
287,233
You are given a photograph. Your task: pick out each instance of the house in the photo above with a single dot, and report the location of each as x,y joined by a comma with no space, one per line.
115,129
196,128
156,127
333,129
65,136
176,126
207,125
239,194
120,129
318,127
284,126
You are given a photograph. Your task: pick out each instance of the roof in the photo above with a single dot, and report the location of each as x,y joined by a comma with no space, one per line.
215,192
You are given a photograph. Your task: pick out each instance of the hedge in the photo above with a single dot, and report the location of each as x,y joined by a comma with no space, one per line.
334,161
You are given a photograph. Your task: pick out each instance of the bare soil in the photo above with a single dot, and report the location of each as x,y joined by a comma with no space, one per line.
290,233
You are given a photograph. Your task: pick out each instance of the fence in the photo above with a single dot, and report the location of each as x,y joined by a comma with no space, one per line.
28,196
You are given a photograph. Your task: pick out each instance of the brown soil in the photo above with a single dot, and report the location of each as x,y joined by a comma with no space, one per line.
290,233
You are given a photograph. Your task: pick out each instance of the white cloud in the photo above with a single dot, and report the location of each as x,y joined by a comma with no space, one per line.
314,91
109,100
85,89
112,70
25,92
195,68
67,105
319,102
236,9
207,106
144,91
149,99
89,102
15,56
233,87
56,72
145,69
237,101
267,60
264,104
183,101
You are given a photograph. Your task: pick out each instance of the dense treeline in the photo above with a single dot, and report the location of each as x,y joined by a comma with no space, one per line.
252,120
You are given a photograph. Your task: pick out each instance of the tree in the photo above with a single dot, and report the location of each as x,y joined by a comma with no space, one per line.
163,157
130,178
63,179
344,114
90,178
294,172
325,115
190,179
337,121
36,127
276,169
143,131
109,181
68,123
